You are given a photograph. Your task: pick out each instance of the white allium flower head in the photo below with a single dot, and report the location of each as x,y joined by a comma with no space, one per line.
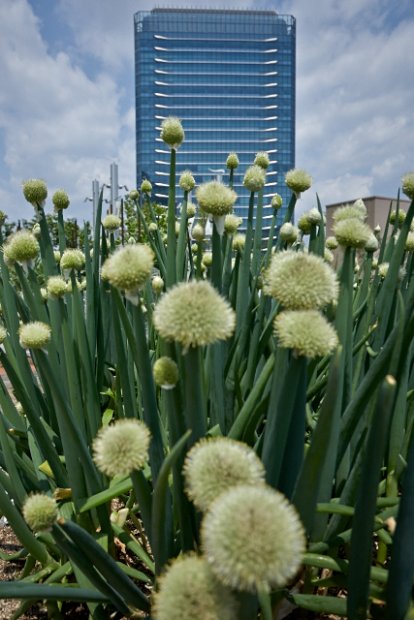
189,589
215,465
122,448
253,539
300,281
193,314
307,332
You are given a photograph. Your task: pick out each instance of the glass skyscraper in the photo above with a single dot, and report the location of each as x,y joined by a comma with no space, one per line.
229,75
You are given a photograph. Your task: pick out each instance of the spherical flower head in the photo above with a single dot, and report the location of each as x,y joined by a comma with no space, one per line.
60,200
298,180
152,227
300,281
191,210
277,202
35,191
40,512
146,187
165,372
254,178
56,286
187,181
409,243
304,224
288,232
56,256
231,223
134,194
35,335
194,314
305,331
314,216
238,243
348,212
328,257
207,259
129,267
172,132
121,448
372,244
3,334
253,539
407,184
262,160
215,465
331,243
111,222
401,217
352,233
198,233
36,231
383,270
157,284
72,259
360,205
216,198
232,161
22,247
189,589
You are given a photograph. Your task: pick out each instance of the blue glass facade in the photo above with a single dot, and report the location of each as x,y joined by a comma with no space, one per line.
230,77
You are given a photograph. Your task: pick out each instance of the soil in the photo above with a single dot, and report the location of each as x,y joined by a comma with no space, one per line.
10,570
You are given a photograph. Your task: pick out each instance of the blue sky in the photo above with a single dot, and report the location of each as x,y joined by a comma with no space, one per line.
67,96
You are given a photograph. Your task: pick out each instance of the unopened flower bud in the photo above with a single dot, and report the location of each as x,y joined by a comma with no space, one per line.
35,191
198,232
408,185
111,222
165,373
157,284
262,160
288,232
277,202
186,182
232,161
255,178
146,187
172,132
238,243
40,512
60,200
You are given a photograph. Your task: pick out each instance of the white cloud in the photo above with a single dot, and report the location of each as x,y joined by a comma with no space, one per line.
66,115
354,113
58,123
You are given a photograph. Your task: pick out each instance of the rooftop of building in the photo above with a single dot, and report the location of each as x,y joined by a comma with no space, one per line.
365,198
160,9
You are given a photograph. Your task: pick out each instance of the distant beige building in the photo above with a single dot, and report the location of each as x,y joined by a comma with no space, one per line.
377,210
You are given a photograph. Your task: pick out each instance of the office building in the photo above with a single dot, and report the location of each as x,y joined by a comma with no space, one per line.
229,75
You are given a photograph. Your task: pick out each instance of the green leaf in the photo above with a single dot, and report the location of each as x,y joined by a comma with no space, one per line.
37,592
160,534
